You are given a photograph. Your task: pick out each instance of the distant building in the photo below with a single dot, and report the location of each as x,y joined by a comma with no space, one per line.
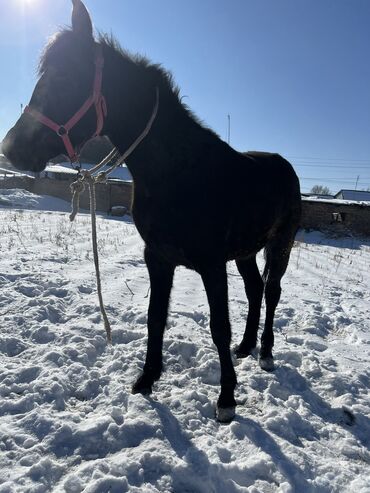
65,171
353,195
57,172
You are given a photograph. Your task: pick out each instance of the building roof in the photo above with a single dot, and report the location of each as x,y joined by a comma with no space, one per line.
56,168
10,172
120,173
358,195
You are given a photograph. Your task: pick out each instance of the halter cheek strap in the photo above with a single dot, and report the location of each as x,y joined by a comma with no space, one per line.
96,99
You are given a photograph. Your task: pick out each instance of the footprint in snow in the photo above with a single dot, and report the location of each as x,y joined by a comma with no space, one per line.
30,291
290,357
122,336
348,417
298,341
11,346
288,312
42,335
85,289
317,346
28,375
58,292
224,455
259,383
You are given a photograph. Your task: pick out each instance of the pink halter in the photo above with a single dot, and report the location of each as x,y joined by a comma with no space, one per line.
96,99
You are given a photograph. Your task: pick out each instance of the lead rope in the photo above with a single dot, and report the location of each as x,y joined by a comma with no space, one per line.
88,176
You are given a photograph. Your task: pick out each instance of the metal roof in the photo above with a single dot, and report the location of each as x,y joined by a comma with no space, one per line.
360,195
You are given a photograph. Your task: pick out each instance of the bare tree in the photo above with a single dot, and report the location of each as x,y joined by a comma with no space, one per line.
320,190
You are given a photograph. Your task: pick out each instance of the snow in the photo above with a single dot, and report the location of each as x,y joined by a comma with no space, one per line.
22,199
362,203
57,168
5,172
69,422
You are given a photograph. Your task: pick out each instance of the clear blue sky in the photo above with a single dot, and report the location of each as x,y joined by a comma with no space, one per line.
293,74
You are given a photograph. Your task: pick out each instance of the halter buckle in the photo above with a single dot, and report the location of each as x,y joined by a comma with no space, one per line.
62,131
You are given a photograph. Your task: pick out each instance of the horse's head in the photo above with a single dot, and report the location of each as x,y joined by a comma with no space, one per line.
66,82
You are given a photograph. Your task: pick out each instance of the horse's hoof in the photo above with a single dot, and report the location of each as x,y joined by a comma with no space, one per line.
225,414
240,352
267,364
141,390
141,386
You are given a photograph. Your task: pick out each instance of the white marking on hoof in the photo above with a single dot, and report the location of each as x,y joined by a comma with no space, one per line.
225,414
267,364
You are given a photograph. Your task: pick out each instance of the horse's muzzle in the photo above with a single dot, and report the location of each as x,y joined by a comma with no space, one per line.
21,154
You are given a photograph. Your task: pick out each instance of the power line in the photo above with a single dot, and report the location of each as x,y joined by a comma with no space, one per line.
331,166
336,178
330,159
333,180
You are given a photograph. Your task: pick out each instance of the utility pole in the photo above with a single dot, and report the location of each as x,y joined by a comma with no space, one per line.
228,129
358,176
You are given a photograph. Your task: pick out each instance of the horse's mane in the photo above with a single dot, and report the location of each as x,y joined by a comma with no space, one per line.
53,47
140,60
65,39
159,74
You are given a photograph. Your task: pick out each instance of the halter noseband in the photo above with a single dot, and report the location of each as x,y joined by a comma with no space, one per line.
96,99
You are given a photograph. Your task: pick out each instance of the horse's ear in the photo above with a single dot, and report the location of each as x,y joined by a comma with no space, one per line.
81,21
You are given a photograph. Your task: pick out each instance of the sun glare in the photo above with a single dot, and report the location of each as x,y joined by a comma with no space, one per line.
27,2
27,5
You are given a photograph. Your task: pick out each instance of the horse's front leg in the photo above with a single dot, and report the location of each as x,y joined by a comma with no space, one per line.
161,278
215,283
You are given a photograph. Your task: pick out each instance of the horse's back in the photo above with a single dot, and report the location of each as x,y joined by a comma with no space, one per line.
269,165
269,178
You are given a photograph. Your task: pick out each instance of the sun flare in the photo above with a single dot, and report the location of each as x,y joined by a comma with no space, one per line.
27,2
28,5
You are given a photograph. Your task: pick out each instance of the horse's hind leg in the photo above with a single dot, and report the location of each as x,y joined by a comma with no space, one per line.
254,290
161,278
277,258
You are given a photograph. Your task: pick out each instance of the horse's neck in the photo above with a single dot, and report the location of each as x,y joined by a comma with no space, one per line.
168,147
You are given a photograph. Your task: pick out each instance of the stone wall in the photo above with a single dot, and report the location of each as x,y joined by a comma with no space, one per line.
14,181
331,215
336,216
108,195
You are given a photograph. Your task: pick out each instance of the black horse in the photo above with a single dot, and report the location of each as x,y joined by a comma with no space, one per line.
197,202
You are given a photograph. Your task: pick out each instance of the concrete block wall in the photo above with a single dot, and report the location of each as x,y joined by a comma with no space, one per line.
23,182
336,216
107,194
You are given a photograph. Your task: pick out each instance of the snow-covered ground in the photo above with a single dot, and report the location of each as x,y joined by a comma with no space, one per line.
68,422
